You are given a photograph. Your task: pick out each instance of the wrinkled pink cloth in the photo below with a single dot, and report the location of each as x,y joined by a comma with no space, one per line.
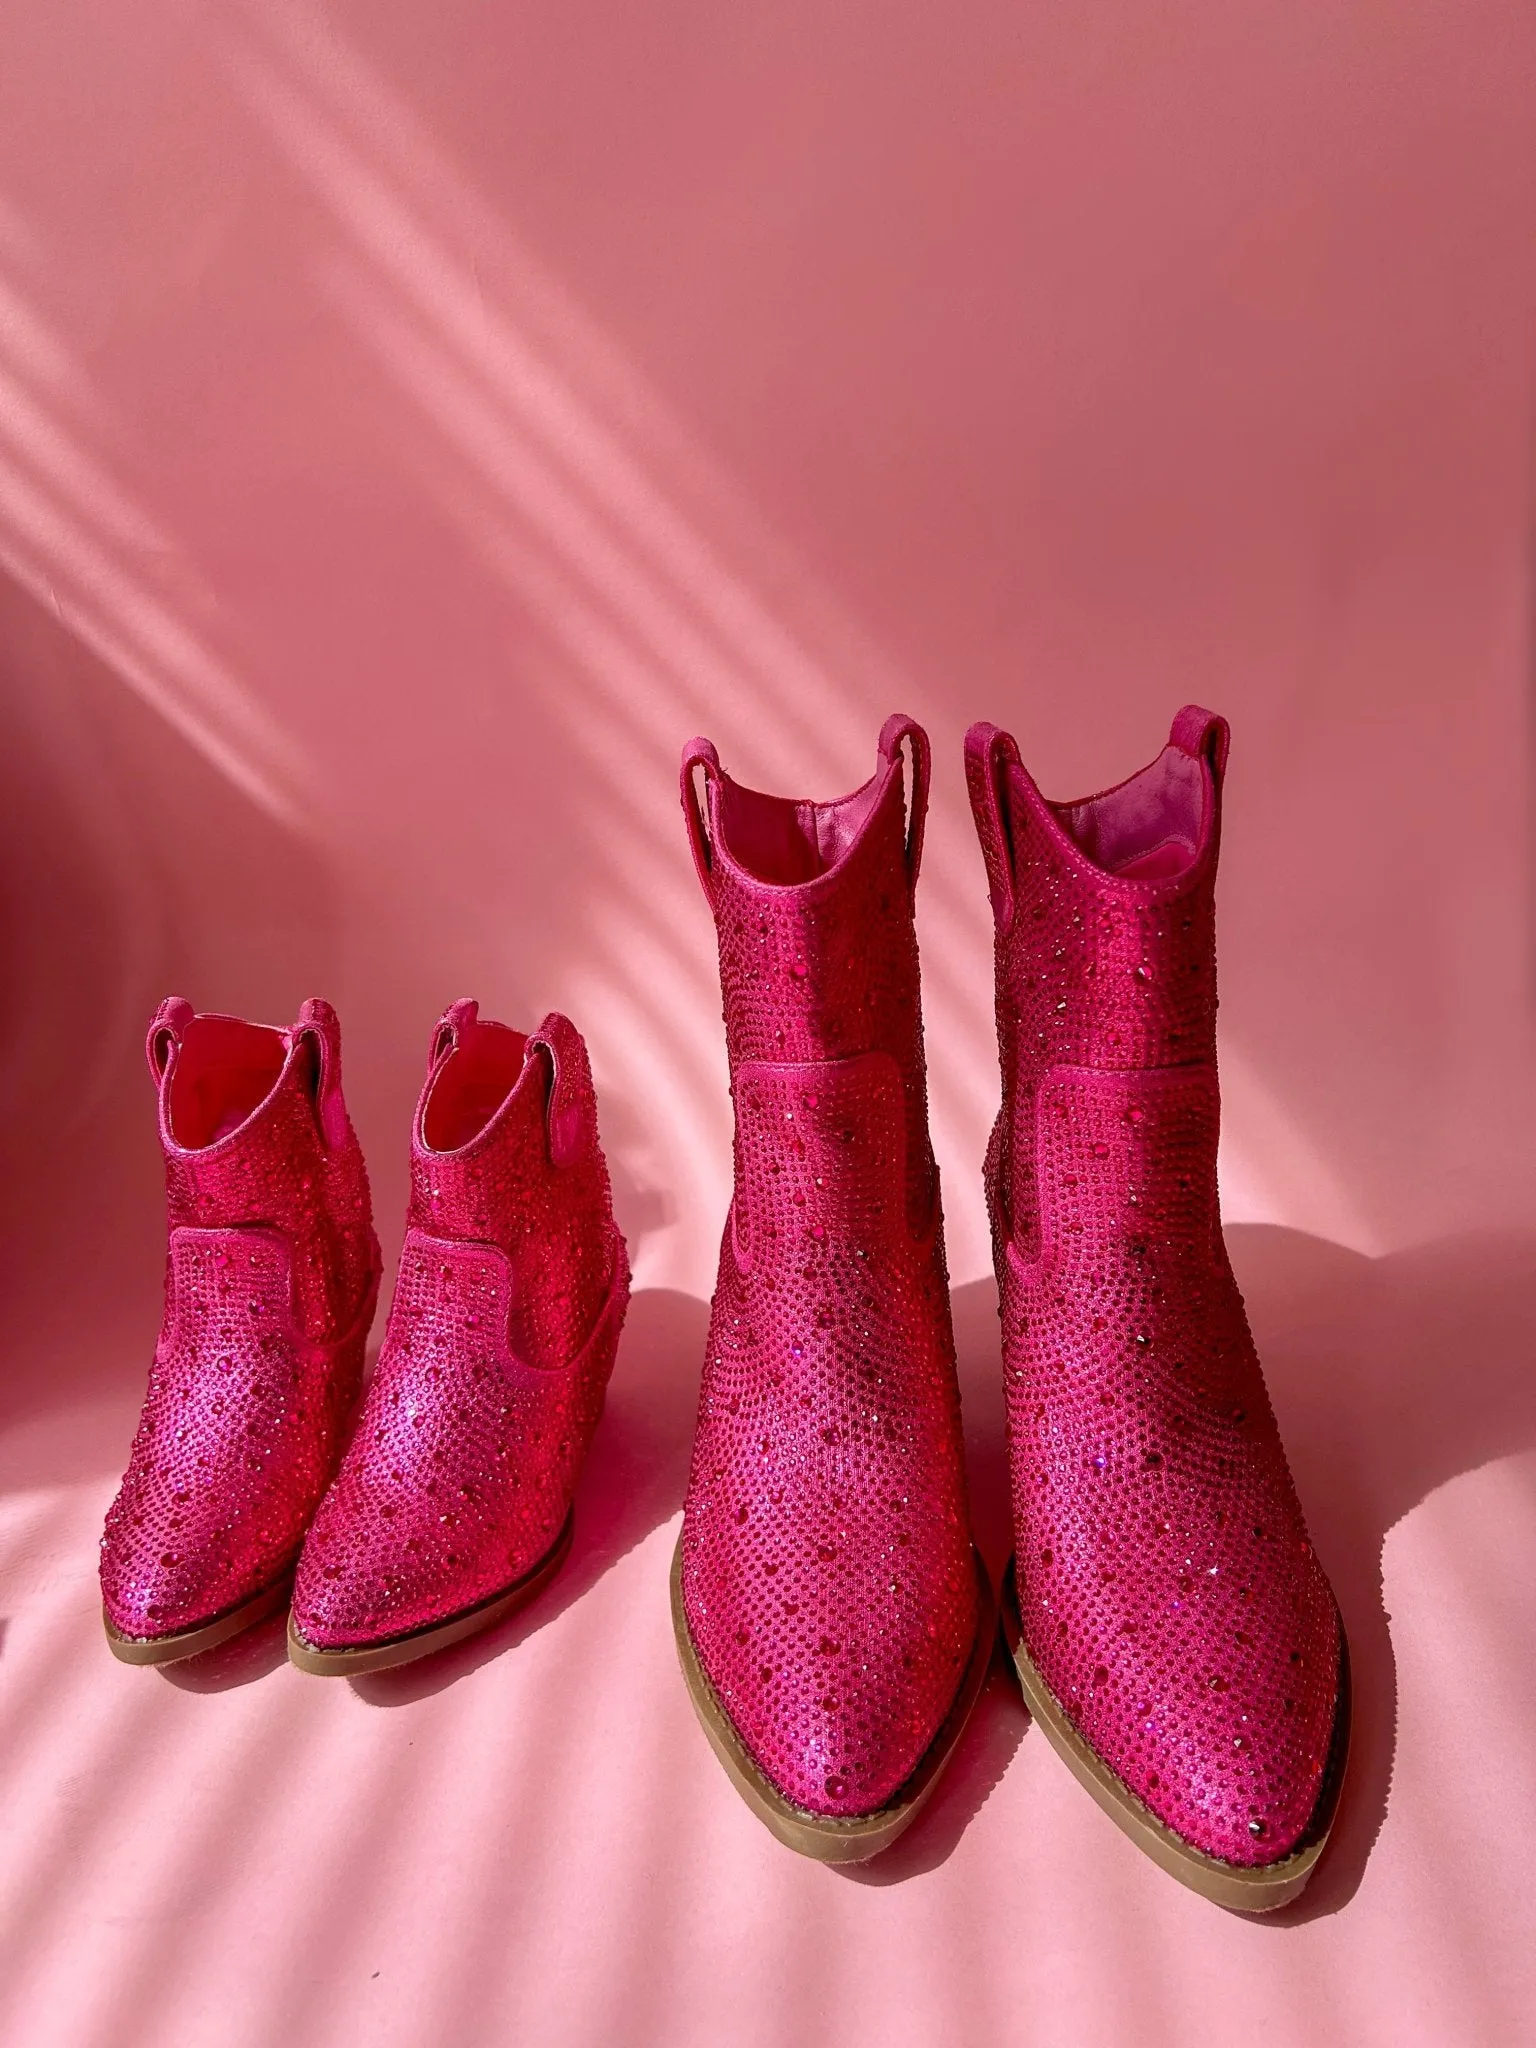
826,1553
512,1288
1168,1593
271,1278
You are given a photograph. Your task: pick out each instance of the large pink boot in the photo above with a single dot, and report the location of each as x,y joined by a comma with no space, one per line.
1176,1637
453,1503
832,1625
271,1278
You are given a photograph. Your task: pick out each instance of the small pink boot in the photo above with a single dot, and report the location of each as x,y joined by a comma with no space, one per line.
453,1503
271,1278
1175,1635
831,1617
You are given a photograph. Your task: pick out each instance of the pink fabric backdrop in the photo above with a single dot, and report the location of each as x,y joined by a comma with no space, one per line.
414,423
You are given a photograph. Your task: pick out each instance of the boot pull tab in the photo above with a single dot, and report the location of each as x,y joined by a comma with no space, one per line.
167,1029
318,1022
989,753
700,753
894,734
571,1114
453,1023
1204,737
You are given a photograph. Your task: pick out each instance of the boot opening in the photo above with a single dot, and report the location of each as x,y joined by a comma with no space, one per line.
471,1085
226,1068
782,840
1148,828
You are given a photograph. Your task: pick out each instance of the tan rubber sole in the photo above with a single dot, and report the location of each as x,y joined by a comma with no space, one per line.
825,1838
1262,1888
192,1642
437,1635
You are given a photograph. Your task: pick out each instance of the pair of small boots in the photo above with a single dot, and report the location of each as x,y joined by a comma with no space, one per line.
1173,1632
448,1503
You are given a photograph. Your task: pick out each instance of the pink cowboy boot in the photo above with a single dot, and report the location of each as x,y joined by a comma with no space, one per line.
832,1620
1175,1635
271,1279
452,1506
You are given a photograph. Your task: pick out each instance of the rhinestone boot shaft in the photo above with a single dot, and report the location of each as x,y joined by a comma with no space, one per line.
1167,1594
271,1277
825,1565
454,1498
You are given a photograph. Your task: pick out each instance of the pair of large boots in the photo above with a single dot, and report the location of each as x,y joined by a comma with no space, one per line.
1173,1632
1174,1635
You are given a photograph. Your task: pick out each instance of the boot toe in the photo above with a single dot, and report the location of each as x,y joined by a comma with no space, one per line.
1229,1751
836,1715
368,1574
162,1580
